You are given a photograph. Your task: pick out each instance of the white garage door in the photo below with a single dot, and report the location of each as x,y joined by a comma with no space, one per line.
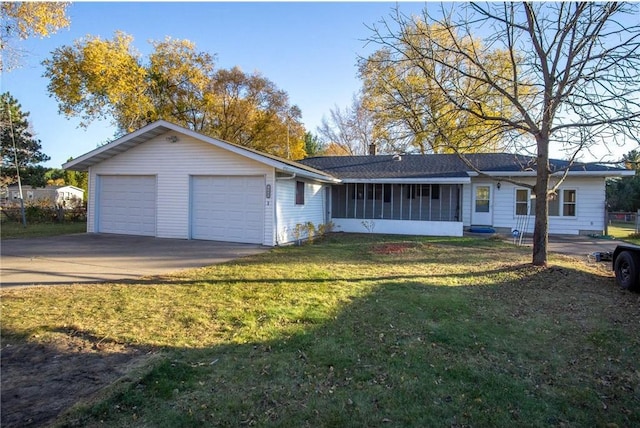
228,208
127,204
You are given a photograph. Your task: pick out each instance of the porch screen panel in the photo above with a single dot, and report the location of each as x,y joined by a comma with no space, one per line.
416,202
387,199
362,203
339,201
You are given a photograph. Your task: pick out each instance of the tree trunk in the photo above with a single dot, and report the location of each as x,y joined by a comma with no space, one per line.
541,228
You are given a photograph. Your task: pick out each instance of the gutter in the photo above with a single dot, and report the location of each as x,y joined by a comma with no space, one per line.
421,180
287,178
609,173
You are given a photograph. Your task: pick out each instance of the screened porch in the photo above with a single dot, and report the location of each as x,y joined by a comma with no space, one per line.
413,202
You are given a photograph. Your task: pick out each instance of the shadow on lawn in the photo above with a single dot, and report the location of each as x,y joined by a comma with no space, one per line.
543,351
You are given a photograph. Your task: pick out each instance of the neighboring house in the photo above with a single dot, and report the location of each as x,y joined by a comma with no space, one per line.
167,181
60,196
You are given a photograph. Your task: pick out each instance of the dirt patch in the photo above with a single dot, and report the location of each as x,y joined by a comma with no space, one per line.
394,247
40,380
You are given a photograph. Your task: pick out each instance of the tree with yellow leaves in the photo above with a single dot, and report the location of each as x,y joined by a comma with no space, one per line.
410,93
100,79
23,20
108,79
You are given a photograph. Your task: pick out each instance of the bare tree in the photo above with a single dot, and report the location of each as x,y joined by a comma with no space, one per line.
352,130
571,80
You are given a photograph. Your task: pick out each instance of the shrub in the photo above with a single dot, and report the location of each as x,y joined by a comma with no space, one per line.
41,212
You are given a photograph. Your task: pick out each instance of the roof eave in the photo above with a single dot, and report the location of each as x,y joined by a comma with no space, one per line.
611,173
303,173
84,162
421,180
120,145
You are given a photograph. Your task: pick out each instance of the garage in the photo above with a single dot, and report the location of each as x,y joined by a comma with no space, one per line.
127,204
228,208
171,182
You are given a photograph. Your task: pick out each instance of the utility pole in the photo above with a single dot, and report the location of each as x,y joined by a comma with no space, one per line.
15,157
288,149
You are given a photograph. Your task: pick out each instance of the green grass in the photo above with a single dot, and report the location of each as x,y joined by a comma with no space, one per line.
448,332
624,231
10,229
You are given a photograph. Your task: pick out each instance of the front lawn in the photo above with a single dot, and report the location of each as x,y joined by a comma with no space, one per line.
12,229
354,330
625,232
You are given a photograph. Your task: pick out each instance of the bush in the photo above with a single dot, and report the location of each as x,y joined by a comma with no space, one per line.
42,213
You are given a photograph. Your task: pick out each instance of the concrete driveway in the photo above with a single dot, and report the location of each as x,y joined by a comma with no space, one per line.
575,245
90,258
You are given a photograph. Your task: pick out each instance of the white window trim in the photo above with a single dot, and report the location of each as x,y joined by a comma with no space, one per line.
560,214
300,195
515,201
560,192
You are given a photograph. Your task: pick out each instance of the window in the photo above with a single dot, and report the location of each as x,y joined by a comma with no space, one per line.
482,199
522,201
525,202
299,192
563,203
569,203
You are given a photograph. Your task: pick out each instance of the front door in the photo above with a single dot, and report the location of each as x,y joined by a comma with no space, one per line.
481,209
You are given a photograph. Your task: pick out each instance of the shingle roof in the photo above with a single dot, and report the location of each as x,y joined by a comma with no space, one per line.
436,165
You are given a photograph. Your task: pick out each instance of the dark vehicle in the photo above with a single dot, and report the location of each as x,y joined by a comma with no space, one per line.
626,265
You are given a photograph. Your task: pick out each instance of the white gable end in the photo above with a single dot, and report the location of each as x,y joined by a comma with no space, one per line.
173,164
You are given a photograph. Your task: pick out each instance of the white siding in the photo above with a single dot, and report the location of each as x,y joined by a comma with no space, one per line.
289,214
92,227
467,200
590,205
399,227
173,164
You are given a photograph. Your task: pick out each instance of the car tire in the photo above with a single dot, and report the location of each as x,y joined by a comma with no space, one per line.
627,269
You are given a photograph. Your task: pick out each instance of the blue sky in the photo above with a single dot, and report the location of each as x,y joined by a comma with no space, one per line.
307,49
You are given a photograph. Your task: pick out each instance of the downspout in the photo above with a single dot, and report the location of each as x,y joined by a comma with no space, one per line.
324,204
275,209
